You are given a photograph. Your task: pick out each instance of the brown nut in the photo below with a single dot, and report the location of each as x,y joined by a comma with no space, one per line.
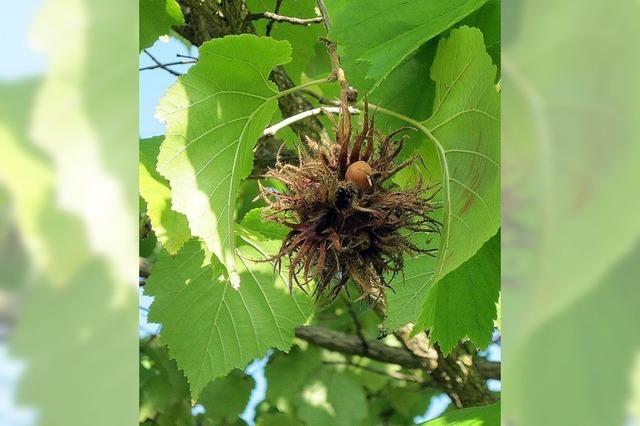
360,174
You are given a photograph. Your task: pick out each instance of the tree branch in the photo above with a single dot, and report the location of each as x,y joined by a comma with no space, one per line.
351,345
456,373
325,13
288,19
163,66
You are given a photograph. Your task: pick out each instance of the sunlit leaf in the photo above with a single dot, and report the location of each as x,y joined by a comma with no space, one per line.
170,227
209,327
214,115
156,19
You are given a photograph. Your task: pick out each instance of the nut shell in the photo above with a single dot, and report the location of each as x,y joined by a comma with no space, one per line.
360,174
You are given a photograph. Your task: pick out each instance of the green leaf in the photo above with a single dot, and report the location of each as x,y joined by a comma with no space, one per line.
477,416
265,229
286,374
278,419
411,400
156,19
214,115
465,134
373,41
225,398
163,388
488,20
170,227
463,303
465,125
210,328
88,315
405,302
54,237
330,398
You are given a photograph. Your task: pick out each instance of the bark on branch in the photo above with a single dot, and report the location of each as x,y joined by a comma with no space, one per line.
351,345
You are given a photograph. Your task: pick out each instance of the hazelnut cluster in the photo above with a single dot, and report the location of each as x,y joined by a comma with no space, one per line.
347,219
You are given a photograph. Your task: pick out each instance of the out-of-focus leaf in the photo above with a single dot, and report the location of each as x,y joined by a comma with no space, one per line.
54,239
411,400
209,327
329,398
170,227
225,398
163,389
278,419
602,316
287,374
156,19
214,115
77,323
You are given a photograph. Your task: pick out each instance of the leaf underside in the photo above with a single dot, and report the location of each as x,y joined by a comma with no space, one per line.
214,115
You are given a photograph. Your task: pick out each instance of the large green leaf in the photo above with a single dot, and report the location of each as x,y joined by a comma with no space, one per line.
375,37
476,416
464,132
156,19
465,125
210,328
214,115
170,227
463,303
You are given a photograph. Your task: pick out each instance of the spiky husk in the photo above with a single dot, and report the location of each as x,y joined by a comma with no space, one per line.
341,231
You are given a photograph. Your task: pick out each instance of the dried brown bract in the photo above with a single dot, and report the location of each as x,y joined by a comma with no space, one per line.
346,219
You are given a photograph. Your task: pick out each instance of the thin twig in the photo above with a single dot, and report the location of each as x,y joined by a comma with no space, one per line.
186,56
270,131
324,13
288,19
356,320
276,9
152,67
161,65
392,374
